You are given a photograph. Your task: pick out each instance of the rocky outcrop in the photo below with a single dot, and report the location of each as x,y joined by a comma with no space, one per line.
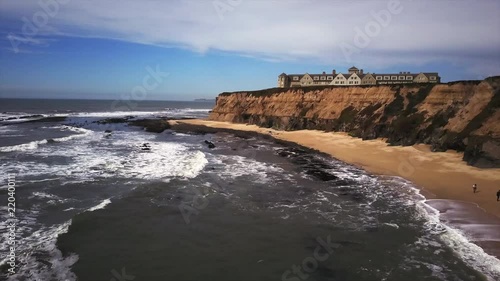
463,115
152,125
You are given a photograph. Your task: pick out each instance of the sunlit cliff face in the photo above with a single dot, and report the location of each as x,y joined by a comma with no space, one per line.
462,116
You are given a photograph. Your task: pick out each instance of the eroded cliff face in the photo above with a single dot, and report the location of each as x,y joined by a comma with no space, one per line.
463,116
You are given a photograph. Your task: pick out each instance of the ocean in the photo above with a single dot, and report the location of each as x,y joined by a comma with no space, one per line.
92,204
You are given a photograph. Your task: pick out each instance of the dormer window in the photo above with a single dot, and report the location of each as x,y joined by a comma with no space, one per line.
296,78
329,78
433,77
316,78
409,77
323,78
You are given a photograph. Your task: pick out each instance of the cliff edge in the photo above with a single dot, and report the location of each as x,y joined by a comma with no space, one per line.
463,115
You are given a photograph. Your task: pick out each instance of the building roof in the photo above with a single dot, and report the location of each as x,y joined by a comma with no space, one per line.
353,68
361,76
413,75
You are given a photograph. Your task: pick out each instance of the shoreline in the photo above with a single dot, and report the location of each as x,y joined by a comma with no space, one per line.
443,178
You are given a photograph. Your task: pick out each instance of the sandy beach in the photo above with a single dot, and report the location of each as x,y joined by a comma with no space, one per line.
445,180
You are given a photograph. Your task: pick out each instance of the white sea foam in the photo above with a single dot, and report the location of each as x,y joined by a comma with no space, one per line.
169,112
116,114
455,239
234,166
101,205
43,242
7,129
90,157
23,147
81,132
392,225
403,193
44,195
37,242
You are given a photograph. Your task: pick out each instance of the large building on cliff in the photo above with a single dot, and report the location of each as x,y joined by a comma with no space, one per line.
355,77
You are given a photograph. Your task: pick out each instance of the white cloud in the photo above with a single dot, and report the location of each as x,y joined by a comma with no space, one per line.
424,31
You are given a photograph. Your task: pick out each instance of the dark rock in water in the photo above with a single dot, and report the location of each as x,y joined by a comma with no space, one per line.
48,119
108,131
113,121
210,144
322,175
145,147
31,116
152,125
51,141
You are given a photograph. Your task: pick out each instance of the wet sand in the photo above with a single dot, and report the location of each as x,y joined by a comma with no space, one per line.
444,178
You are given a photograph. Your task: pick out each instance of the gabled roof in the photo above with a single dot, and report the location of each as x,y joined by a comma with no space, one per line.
363,76
282,74
355,74
353,68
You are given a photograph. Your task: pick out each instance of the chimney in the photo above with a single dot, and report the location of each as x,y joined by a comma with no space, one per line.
324,73
361,71
334,72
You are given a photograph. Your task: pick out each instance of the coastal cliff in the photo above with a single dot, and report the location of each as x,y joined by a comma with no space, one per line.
463,115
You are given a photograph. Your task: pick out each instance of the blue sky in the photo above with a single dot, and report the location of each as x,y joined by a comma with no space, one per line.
103,49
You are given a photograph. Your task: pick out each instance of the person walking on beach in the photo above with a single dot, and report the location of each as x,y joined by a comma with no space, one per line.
498,195
474,188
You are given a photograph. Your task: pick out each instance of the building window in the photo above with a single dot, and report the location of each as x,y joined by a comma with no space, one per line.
336,82
330,78
387,77
379,77
433,77
323,78
394,78
316,78
409,77
401,78
295,78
